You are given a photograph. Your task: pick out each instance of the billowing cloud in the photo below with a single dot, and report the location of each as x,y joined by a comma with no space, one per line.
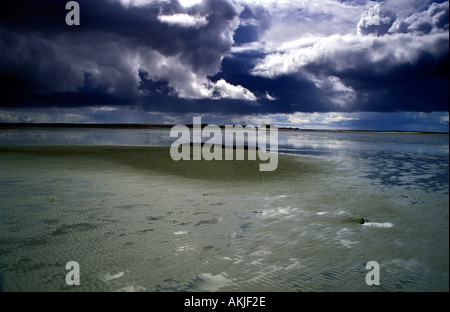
385,54
377,19
182,45
231,57
435,19
339,54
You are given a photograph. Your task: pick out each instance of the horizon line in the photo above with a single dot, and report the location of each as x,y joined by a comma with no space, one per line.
144,125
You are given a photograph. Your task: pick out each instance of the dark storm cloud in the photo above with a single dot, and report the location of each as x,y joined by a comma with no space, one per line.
140,26
215,57
254,21
39,52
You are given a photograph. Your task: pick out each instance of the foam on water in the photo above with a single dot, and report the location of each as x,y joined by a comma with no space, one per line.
109,277
378,225
209,282
132,288
180,233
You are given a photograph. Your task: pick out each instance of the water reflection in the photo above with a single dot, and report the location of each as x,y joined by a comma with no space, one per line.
389,159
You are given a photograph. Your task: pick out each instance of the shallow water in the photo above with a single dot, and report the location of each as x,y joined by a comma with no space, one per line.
134,228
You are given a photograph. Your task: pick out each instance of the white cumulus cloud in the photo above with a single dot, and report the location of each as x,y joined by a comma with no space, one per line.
184,20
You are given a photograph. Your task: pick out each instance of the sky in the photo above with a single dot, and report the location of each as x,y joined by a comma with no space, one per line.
311,64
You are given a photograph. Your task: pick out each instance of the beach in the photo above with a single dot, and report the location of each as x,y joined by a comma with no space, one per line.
123,123
135,220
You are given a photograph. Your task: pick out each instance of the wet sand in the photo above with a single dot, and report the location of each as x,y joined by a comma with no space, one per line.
158,159
136,220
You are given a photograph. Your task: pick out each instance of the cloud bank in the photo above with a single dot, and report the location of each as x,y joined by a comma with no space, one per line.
116,42
235,57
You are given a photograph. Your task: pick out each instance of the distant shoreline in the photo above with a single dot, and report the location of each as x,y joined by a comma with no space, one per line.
165,126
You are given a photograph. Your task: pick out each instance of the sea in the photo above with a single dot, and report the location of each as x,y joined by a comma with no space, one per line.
360,212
